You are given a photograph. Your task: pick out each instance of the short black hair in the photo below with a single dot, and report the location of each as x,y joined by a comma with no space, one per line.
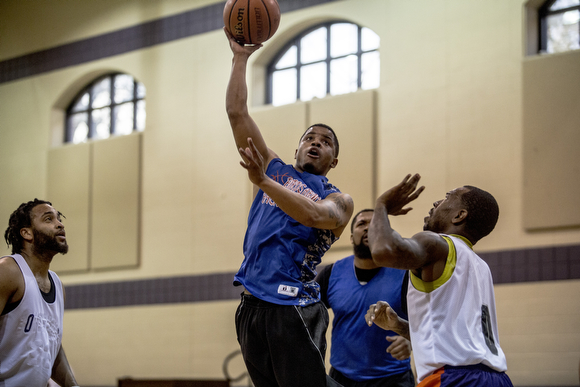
19,219
483,212
356,216
334,138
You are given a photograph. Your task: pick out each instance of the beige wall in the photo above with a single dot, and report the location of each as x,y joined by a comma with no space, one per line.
551,136
450,107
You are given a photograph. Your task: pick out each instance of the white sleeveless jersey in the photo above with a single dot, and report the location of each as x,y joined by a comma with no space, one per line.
452,321
30,335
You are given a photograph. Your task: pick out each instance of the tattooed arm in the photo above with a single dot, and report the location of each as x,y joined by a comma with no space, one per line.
331,213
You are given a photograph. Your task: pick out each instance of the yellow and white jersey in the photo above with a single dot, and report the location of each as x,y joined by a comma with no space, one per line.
452,320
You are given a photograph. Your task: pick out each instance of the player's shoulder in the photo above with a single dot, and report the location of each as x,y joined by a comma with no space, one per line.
326,269
430,238
270,157
345,260
433,245
8,265
10,274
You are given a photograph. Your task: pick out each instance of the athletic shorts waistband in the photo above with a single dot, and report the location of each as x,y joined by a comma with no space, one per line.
480,367
253,301
466,376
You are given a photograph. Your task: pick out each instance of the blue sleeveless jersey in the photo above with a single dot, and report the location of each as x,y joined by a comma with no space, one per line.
280,254
359,352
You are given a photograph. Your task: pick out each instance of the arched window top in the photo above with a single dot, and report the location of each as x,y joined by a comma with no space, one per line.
111,105
329,59
559,26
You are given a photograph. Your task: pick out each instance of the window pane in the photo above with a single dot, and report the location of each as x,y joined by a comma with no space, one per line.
571,17
101,123
141,115
101,93
110,97
123,88
561,4
371,70
343,75
123,115
81,104
140,90
343,39
78,128
563,32
334,58
289,59
313,81
313,46
284,87
369,40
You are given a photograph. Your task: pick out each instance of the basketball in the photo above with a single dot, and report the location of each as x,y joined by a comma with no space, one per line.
252,21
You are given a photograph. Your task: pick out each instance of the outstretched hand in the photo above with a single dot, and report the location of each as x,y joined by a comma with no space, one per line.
238,48
382,315
253,162
396,198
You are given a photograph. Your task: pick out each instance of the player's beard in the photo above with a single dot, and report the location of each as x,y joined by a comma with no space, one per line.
433,225
362,251
44,242
311,168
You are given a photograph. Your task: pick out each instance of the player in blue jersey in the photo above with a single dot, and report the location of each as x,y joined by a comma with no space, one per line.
359,356
295,217
452,317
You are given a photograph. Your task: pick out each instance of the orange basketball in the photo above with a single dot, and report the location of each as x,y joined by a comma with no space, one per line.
252,21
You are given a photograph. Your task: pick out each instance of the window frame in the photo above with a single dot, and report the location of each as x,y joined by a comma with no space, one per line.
69,135
271,67
543,13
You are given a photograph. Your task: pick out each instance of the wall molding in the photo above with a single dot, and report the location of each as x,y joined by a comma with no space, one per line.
510,266
159,31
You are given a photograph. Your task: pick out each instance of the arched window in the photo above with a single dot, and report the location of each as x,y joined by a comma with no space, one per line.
331,58
559,26
113,104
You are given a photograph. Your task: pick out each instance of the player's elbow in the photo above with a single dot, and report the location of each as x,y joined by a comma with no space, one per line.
394,255
313,219
382,256
236,113
309,220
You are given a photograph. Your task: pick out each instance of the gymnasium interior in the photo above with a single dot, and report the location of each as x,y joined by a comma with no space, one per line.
464,92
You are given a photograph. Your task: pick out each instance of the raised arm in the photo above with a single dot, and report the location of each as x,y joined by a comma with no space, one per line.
331,213
388,247
243,126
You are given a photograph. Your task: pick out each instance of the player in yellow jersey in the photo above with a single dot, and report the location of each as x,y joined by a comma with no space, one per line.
451,304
